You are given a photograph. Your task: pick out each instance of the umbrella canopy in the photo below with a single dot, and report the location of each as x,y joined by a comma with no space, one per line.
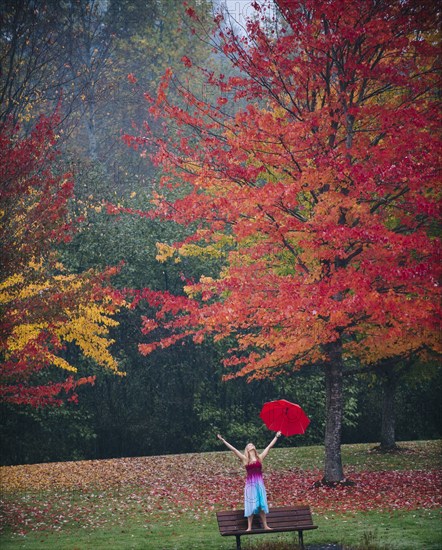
285,417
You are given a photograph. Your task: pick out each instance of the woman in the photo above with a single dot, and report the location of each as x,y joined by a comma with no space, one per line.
255,497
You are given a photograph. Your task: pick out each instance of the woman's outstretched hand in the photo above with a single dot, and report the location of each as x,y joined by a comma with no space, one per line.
220,437
278,434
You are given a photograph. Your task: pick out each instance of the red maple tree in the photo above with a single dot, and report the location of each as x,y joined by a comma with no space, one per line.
313,180
44,307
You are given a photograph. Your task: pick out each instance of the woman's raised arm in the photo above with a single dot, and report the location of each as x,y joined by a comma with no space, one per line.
269,446
232,448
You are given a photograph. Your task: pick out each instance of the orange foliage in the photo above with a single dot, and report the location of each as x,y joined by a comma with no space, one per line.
325,187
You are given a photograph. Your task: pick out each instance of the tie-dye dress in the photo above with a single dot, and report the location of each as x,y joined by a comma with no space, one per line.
255,496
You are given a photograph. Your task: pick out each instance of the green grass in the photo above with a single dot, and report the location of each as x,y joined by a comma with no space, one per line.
118,517
413,530
413,455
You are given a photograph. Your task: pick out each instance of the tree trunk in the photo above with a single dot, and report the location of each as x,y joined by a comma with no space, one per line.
388,436
90,127
334,405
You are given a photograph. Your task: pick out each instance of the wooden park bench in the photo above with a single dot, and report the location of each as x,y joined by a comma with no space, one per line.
281,520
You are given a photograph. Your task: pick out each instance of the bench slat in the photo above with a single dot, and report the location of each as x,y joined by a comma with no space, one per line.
275,509
274,517
271,521
259,531
238,514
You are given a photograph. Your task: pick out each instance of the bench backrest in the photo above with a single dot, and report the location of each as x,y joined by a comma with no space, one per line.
287,517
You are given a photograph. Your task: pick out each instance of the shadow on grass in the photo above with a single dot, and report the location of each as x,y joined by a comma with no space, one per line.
369,542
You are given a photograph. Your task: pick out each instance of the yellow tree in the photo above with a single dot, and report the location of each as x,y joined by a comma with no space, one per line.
44,308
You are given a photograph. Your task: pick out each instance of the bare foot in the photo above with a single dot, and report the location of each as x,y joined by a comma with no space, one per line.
248,529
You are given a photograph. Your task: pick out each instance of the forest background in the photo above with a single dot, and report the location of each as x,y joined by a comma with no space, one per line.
86,65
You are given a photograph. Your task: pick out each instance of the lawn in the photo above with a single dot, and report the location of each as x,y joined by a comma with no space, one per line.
170,501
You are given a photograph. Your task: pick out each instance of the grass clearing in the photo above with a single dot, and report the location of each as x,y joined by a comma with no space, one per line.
413,455
410,530
170,502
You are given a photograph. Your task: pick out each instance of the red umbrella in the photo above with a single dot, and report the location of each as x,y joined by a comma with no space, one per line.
285,417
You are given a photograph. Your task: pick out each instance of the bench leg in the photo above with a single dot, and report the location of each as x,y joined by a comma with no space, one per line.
238,542
301,539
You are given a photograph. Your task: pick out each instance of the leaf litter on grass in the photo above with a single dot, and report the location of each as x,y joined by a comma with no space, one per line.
100,492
